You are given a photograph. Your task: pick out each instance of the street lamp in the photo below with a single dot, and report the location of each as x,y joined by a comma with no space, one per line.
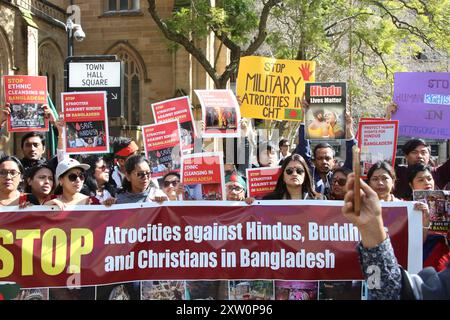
73,31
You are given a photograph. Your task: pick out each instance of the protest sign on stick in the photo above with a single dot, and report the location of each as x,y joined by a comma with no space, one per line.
325,115
162,146
177,109
86,119
273,89
26,96
438,202
220,113
377,141
261,181
423,100
202,175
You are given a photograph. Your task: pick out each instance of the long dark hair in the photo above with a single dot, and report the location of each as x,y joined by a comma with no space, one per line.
280,189
90,186
33,171
130,165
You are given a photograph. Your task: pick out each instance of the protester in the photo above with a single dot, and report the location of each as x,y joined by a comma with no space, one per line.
11,174
70,175
33,143
267,154
375,249
435,246
284,145
123,148
137,186
97,183
381,178
235,187
172,187
417,151
338,183
40,182
295,181
323,159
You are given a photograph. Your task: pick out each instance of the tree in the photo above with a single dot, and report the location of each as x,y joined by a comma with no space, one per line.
234,22
362,42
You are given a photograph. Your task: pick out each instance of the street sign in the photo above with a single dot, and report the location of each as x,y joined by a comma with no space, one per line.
93,73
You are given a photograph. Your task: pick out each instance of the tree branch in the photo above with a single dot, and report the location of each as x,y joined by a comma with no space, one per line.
262,33
185,42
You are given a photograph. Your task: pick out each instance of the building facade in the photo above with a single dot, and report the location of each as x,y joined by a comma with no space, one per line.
33,41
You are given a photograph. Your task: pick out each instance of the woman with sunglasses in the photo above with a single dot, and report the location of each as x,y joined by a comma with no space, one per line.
11,172
97,180
70,175
381,178
40,182
338,182
137,186
172,186
295,181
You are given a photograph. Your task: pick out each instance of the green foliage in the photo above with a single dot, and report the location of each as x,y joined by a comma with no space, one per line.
237,19
361,41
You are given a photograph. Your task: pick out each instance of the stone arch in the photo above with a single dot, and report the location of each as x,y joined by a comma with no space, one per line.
51,64
6,58
135,75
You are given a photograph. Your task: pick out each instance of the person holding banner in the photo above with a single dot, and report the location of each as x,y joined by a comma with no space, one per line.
323,160
40,182
137,186
70,175
295,182
375,250
435,246
11,174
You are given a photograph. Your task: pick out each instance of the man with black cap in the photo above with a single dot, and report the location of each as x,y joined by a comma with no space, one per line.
418,151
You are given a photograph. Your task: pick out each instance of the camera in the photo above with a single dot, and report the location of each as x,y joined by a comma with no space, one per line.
79,34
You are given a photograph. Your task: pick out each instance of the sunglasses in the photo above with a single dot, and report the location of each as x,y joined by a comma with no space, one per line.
340,181
173,183
299,171
73,177
143,175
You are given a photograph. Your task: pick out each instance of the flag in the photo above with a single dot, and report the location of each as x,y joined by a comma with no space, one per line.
293,114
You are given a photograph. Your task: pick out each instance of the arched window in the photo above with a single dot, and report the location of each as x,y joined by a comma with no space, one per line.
5,60
51,65
132,88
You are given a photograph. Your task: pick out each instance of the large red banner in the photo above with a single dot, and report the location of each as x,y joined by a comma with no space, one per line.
43,248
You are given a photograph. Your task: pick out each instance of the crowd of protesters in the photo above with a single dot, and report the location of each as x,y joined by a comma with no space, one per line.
126,177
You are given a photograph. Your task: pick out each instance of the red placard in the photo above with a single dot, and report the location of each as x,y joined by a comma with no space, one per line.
377,141
202,175
177,109
162,147
261,181
220,113
288,240
86,119
26,96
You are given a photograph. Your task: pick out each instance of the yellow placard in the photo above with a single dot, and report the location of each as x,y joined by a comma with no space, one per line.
271,88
